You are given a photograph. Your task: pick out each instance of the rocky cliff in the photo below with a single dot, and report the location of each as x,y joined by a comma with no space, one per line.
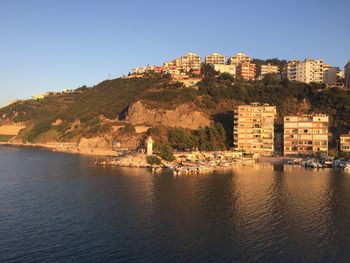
183,116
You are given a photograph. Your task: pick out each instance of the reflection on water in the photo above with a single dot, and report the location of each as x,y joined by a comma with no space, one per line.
59,207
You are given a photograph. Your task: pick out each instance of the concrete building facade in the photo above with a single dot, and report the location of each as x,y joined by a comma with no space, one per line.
305,134
142,70
215,59
291,70
189,62
254,129
345,142
332,75
230,69
263,70
246,70
239,58
309,70
347,75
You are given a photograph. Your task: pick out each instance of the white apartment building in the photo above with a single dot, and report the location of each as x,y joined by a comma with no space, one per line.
291,70
239,58
309,70
331,75
189,62
267,69
230,69
40,96
142,70
215,59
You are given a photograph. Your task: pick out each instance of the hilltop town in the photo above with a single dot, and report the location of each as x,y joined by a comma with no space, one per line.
254,131
187,68
257,107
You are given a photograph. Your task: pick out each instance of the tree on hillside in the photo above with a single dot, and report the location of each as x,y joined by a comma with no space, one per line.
281,63
208,72
226,77
217,136
166,152
271,79
203,140
181,139
258,61
153,160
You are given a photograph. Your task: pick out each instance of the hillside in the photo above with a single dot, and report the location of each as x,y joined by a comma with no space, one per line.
156,100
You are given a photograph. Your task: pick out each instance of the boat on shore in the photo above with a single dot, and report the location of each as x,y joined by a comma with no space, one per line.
314,163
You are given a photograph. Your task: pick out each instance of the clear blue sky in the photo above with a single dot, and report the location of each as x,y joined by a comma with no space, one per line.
51,45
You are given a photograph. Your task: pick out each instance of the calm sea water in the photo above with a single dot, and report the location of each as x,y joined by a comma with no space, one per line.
60,208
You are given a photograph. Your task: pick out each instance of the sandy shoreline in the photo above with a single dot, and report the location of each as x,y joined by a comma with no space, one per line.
73,149
64,148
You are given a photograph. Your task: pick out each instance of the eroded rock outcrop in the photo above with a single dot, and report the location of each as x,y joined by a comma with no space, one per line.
183,116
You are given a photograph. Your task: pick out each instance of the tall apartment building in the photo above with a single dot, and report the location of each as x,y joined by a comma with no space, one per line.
189,62
215,59
254,129
345,142
230,69
239,58
266,69
347,75
305,134
309,70
291,70
246,70
331,75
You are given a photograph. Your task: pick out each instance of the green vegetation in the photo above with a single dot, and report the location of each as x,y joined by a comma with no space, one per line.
6,138
205,139
217,94
166,98
153,160
166,152
209,138
109,98
41,126
281,63
286,95
182,139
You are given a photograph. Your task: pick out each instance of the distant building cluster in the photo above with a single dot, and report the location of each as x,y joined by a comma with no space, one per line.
180,68
311,70
41,96
303,134
51,93
242,66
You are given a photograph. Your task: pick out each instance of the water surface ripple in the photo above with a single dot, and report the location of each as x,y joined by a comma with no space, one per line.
60,208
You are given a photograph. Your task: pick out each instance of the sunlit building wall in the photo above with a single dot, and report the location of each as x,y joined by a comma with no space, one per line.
305,134
254,129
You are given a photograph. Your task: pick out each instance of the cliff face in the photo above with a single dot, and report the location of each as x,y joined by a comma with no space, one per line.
182,116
